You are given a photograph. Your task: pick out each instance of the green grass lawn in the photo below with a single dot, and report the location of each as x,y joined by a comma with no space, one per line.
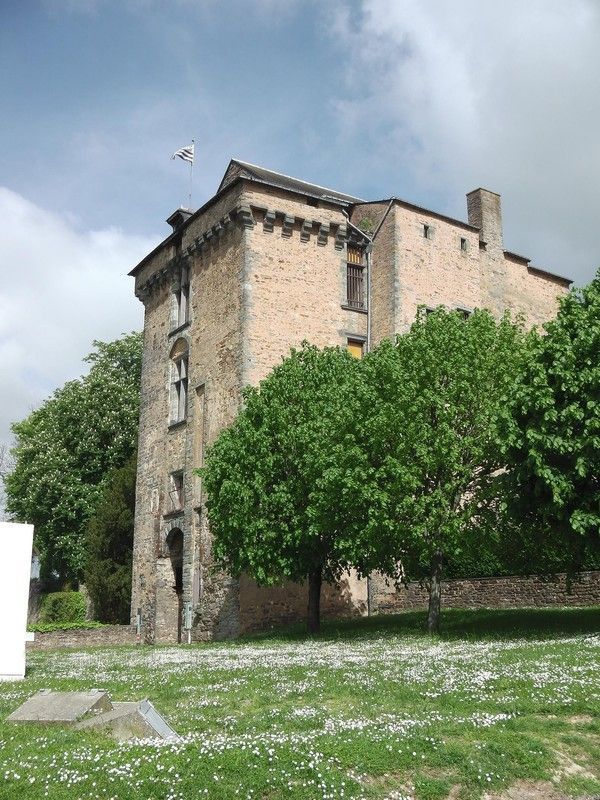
372,708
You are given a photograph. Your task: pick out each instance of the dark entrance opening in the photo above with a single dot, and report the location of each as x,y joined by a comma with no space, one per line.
175,550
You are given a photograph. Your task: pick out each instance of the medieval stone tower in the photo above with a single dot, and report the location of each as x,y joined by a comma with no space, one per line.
266,263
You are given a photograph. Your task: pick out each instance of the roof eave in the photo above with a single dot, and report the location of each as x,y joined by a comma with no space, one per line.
547,274
436,214
184,225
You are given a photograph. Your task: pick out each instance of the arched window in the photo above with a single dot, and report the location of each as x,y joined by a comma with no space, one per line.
179,382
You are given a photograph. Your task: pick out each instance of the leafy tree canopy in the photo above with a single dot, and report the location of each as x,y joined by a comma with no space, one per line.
66,448
273,478
433,405
109,546
554,437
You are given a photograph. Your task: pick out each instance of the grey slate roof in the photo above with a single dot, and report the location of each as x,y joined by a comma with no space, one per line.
241,169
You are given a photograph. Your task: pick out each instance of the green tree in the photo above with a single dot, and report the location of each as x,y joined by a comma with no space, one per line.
109,546
433,404
554,439
274,477
65,450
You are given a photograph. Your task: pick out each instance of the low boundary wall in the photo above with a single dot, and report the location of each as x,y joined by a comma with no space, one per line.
84,637
502,592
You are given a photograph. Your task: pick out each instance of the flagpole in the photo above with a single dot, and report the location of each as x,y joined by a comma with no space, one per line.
191,176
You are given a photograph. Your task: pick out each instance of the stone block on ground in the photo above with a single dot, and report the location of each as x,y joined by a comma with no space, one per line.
131,720
94,709
61,707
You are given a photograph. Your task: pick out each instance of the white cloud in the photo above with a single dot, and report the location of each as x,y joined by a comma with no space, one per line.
500,94
59,290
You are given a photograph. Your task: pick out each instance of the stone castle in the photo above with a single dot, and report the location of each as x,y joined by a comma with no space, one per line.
267,262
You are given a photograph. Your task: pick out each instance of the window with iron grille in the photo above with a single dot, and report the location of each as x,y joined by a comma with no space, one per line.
355,292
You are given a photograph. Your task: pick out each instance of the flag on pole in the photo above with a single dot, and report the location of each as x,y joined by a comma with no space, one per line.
186,153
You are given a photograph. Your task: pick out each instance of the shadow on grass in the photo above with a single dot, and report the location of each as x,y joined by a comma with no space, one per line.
472,624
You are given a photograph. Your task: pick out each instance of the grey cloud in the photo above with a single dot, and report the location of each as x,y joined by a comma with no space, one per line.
503,95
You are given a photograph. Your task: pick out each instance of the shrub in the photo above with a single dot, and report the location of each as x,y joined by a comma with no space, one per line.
109,546
47,627
62,607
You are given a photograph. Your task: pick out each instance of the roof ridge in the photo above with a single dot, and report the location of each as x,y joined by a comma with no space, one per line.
292,178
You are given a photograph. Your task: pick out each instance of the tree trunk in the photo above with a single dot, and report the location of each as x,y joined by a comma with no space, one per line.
315,580
435,593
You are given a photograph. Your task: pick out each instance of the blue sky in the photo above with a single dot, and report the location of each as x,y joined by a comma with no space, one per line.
425,101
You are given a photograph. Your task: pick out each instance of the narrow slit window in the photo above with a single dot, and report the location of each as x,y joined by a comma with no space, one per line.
182,297
176,496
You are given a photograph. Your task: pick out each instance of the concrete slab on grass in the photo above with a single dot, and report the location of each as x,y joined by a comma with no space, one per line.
128,720
61,707
94,709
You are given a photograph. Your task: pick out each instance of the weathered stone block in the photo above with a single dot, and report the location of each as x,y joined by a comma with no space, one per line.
61,707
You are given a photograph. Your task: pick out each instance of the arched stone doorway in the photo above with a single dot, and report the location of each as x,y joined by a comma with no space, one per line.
169,600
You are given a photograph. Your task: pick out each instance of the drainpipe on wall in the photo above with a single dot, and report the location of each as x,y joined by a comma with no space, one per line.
385,213
369,251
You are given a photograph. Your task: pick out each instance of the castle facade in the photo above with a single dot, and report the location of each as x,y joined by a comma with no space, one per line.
266,263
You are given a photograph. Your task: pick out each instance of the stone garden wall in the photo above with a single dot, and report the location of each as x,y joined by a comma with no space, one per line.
84,637
505,592
281,606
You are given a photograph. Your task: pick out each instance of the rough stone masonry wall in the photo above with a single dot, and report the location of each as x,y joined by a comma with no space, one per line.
530,293
384,286
434,270
213,338
216,337
84,637
265,608
263,283
297,281
262,609
502,592
295,290
152,432
411,269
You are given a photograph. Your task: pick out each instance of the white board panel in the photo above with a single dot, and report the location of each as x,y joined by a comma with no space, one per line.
16,540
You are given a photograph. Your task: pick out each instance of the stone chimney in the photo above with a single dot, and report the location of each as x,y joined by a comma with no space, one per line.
485,213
